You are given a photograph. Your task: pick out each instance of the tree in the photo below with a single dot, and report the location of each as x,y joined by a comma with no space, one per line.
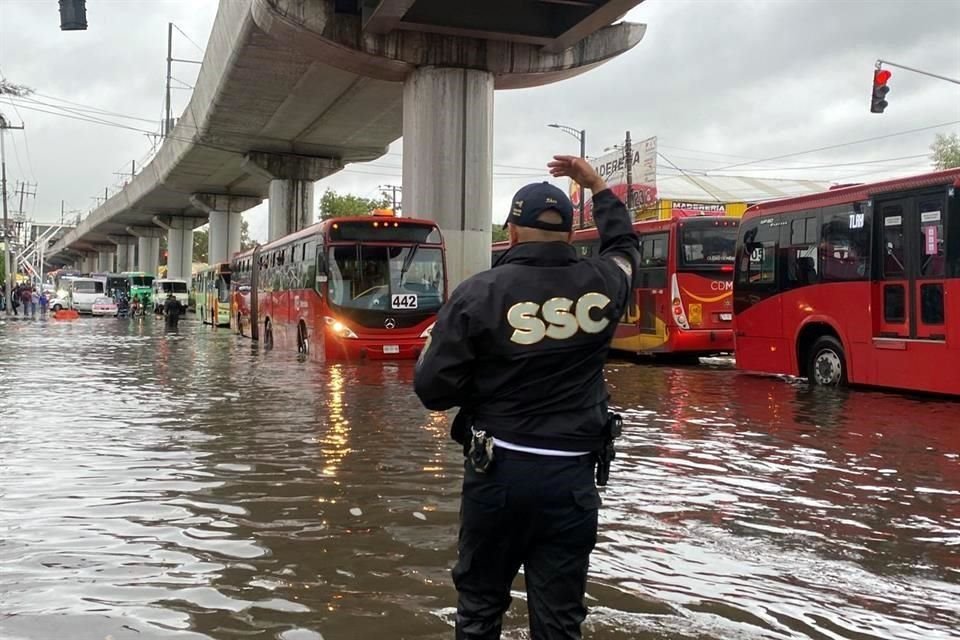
246,242
201,245
347,205
499,233
946,151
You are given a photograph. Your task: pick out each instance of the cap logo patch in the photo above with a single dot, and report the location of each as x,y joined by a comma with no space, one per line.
517,207
550,200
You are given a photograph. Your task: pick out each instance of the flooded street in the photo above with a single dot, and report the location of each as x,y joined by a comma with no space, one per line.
186,485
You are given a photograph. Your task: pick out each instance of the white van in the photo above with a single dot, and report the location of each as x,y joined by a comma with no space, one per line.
163,287
83,292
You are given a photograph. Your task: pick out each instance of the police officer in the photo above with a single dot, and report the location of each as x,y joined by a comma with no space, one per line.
520,349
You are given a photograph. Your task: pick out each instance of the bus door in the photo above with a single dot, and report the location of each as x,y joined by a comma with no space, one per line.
651,289
913,267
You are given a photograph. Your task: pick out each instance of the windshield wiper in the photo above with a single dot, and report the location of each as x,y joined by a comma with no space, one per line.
408,261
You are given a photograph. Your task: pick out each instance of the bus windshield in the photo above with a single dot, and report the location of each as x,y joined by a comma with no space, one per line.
141,281
174,287
380,278
705,247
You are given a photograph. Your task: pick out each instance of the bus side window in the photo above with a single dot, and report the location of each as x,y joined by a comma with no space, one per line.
845,242
652,273
953,235
799,242
317,272
757,263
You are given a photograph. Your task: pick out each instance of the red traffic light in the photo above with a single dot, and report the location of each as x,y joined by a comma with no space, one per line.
880,90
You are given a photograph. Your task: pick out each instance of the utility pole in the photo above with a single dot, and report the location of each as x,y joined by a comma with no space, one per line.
124,174
7,274
23,190
628,149
392,190
166,120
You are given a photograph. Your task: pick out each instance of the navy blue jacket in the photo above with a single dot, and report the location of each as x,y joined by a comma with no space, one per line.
521,347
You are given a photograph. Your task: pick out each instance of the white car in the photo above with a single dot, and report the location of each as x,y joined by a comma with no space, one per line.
59,302
104,307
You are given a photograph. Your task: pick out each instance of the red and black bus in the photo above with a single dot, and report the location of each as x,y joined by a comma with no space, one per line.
683,290
858,284
344,288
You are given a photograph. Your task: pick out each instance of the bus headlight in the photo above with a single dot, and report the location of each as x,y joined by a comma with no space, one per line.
428,330
338,328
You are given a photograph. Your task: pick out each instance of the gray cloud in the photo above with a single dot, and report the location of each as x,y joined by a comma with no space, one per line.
719,83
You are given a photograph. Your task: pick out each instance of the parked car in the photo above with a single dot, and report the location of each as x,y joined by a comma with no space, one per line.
59,302
104,306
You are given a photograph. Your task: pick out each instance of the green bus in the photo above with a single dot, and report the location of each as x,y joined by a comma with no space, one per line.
141,285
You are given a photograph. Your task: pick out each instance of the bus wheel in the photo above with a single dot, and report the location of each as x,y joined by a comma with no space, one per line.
827,366
303,344
267,335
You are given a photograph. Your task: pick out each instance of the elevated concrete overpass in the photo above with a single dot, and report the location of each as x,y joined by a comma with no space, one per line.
291,91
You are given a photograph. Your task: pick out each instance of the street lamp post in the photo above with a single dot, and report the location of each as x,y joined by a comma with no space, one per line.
581,136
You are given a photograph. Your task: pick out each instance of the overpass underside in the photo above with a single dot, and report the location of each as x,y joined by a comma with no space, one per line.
291,91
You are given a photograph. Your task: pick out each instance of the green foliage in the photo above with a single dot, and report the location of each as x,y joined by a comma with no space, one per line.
499,233
201,245
946,151
348,205
246,242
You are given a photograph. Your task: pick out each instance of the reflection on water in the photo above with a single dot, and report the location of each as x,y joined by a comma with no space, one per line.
184,485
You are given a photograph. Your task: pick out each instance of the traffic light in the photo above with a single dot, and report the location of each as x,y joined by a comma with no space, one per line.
73,15
880,90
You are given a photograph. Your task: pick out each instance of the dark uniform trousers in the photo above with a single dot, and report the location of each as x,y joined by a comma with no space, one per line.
531,510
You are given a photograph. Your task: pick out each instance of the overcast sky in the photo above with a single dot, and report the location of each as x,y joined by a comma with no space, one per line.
719,83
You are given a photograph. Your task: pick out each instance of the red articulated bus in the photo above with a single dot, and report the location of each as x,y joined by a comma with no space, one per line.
683,290
344,288
859,284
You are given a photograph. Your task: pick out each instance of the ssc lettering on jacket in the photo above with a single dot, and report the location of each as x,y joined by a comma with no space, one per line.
557,318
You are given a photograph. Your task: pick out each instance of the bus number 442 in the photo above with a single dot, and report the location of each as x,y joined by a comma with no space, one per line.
403,301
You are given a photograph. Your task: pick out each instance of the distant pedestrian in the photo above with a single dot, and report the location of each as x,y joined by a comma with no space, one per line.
44,302
34,302
25,298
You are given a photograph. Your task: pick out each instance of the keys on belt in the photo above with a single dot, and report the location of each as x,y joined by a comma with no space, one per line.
481,451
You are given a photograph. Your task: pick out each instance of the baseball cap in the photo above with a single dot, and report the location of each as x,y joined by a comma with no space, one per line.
535,198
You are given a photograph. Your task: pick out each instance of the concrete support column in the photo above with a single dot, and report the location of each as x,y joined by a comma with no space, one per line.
226,220
448,161
291,207
105,261
126,252
90,263
148,255
148,248
179,244
291,187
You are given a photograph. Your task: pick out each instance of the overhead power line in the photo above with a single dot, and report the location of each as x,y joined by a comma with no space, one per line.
839,145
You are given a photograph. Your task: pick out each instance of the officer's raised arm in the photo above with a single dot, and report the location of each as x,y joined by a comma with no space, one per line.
617,238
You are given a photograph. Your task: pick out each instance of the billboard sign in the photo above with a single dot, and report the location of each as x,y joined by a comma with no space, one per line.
612,167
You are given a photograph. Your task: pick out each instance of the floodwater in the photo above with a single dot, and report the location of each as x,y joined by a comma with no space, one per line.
186,485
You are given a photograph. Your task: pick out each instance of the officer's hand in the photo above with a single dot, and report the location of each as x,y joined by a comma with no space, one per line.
578,170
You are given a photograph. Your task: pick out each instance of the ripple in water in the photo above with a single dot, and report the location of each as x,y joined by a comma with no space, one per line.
185,485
